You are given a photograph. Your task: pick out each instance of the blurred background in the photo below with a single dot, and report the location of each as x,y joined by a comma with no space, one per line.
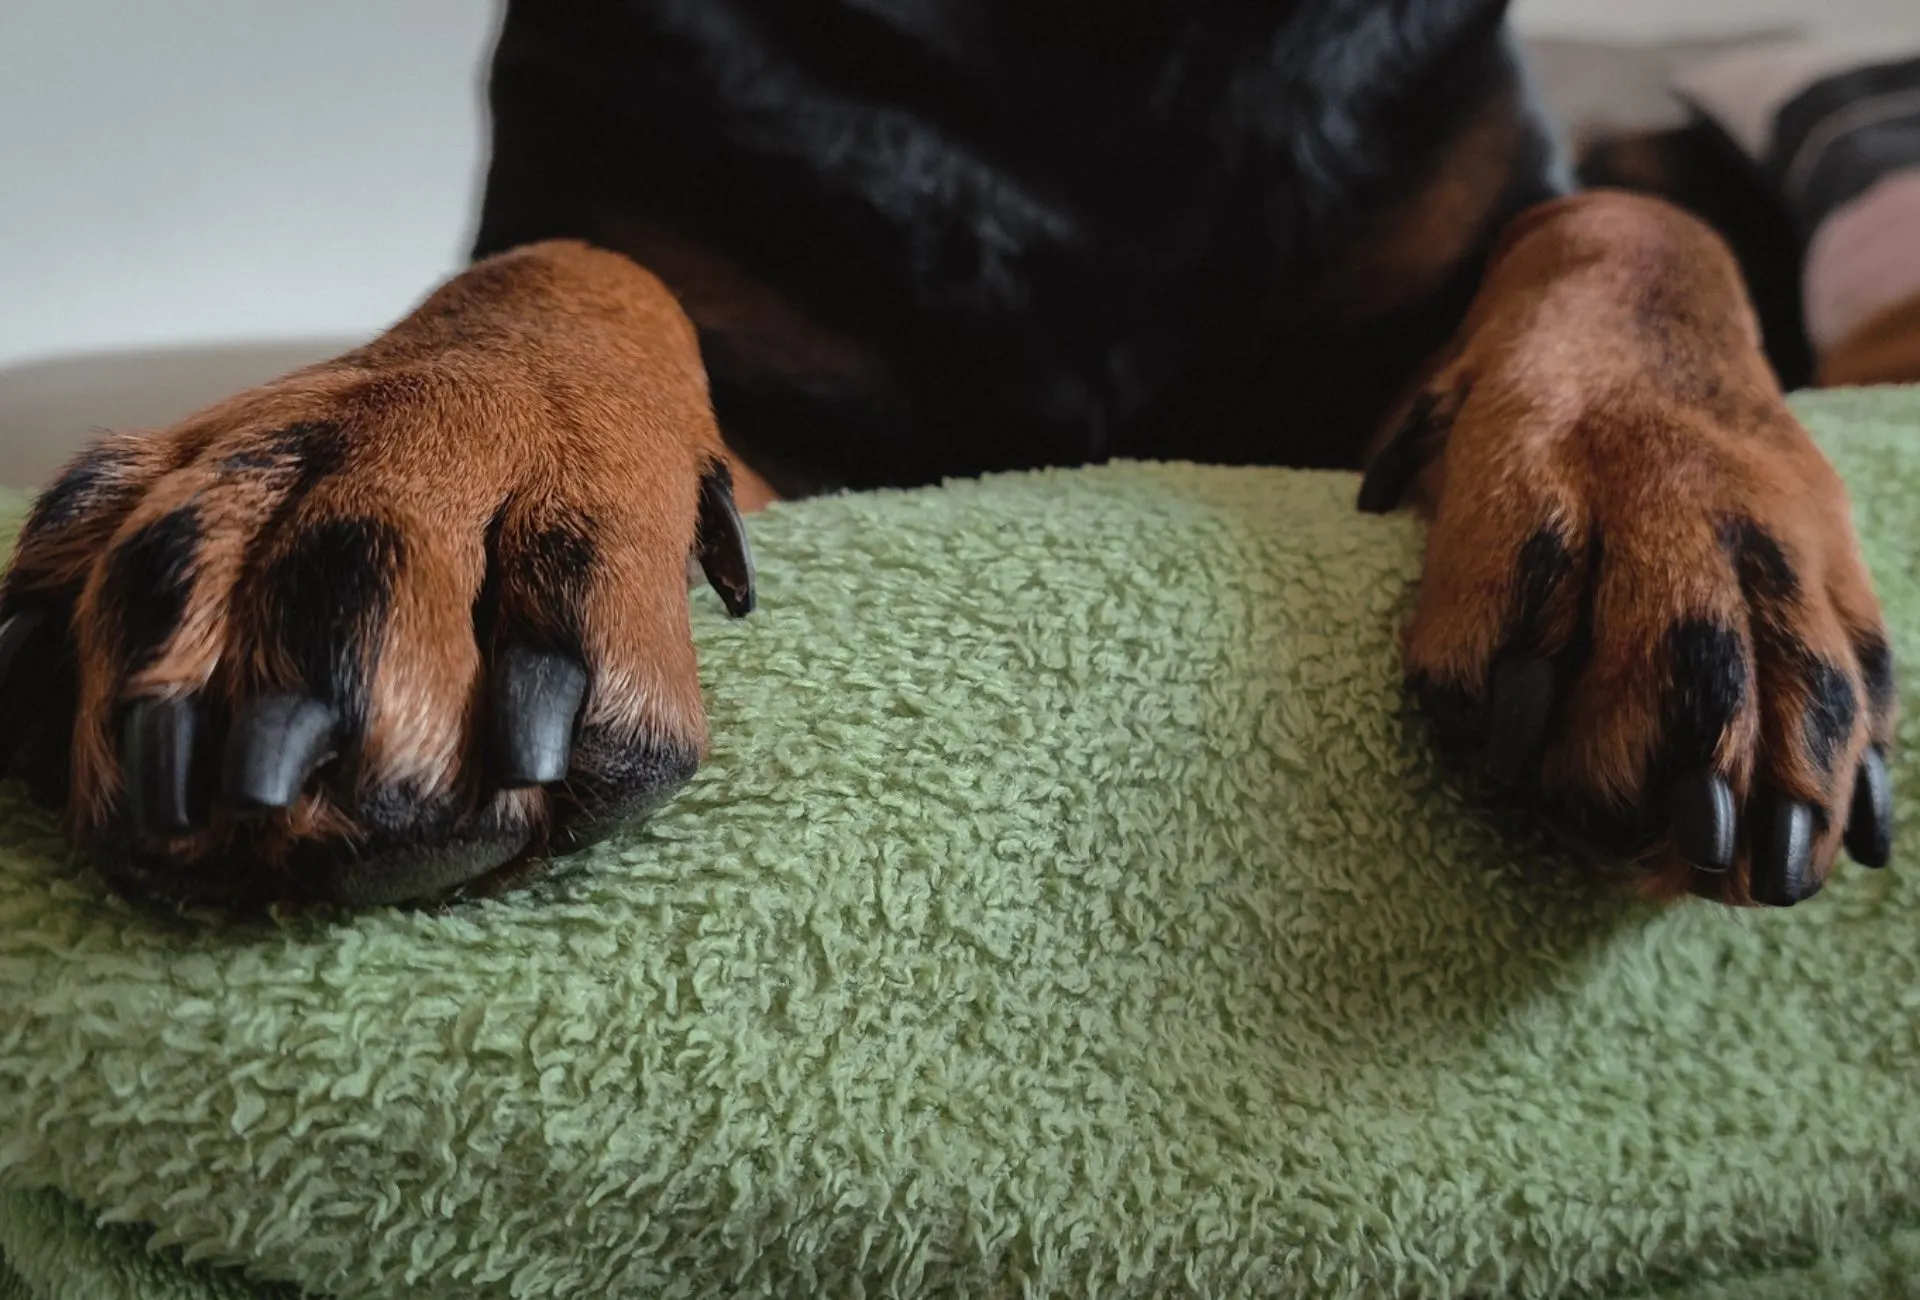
199,194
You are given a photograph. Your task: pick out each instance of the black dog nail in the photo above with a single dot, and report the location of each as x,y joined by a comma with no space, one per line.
277,742
1522,699
1459,718
156,754
536,697
1387,478
1703,819
1781,864
1870,820
722,543
1412,446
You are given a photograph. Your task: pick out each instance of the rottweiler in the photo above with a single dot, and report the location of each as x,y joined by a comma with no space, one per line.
377,628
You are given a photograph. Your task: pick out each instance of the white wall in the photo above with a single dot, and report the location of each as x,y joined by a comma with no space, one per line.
180,171
197,194
1648,19
195,170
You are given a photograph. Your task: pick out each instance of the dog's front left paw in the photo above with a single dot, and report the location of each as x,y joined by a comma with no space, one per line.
1651,613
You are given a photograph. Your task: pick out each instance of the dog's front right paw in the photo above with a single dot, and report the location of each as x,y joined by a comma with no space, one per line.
1643,600
1658,622
371,631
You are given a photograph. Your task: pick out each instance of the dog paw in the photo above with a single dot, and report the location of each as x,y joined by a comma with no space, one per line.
370,632
1650,614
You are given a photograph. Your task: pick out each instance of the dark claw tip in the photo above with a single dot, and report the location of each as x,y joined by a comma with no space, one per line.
277,741
1459,718
1405,454
721,543
1384,484
1703,819
1870,820
15,632
1522,699
1780,862
156,755
536,697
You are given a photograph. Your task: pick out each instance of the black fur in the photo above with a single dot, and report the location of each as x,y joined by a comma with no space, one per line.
1063,231
1575,655
1876,672
323,602
1545,567
86,486
1460,711
38,697
1831,710
148,577
1771,586
1766,575
319,448
310,449
552,567
1709,684
250,460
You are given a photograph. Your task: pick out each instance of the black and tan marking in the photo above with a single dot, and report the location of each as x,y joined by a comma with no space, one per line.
433,604
300,671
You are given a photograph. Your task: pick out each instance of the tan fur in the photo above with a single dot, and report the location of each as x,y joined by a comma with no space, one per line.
63,555
1610,378
552,378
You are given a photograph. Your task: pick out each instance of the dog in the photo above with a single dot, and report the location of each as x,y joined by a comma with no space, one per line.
371,631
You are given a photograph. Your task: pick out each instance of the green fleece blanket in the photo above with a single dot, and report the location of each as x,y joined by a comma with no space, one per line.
1071,906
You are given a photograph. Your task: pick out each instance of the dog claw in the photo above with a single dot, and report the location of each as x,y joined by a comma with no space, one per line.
1459,719
722,543
277,742
1522,699
1410,449
157,756
1870,820
1781,866
1703,819
536,697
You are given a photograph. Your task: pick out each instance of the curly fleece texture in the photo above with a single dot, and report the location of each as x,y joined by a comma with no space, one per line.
1070,906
